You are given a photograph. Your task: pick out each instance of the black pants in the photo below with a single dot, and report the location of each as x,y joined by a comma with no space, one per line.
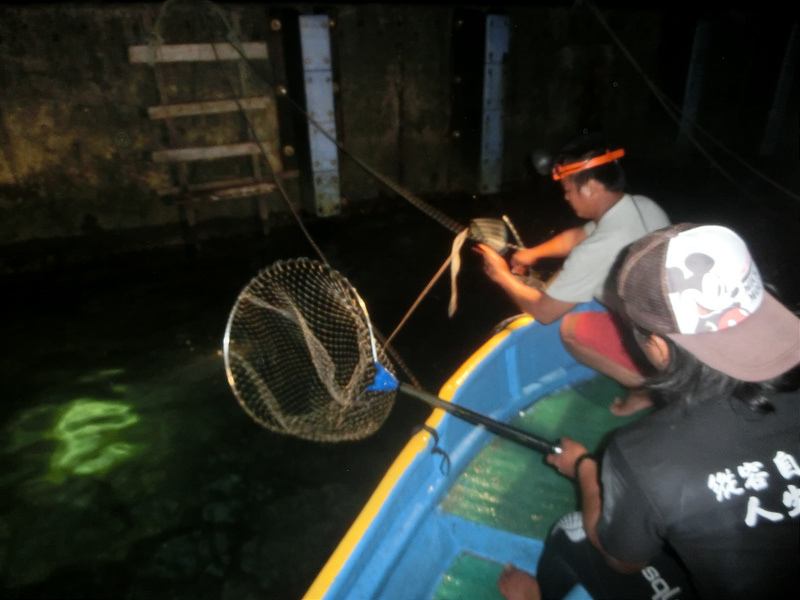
569,558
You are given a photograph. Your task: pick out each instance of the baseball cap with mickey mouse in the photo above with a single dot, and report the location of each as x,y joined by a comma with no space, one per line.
698,285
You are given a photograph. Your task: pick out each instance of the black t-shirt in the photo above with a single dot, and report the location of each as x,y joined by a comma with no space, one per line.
718,483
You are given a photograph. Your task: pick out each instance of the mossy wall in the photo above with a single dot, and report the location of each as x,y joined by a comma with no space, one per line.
77,144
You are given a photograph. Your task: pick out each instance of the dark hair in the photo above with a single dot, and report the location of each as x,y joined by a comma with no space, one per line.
585,148
689,380
686,378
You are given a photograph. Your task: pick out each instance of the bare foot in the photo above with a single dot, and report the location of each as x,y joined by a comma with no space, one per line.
636,401
516,584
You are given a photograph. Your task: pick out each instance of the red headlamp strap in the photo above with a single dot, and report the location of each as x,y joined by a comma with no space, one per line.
561,171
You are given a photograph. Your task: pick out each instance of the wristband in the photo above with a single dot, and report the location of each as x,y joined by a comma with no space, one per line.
581,458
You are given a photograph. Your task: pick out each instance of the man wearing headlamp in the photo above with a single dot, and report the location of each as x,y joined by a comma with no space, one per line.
593,183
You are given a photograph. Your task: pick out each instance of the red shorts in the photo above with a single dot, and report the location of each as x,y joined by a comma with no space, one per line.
599,331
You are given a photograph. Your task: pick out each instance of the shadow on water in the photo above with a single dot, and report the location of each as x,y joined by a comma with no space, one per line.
127,468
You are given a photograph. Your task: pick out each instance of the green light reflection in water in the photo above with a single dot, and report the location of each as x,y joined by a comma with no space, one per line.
100,376
87,433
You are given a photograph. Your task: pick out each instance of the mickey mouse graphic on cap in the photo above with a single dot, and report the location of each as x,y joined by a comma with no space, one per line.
698,286
711,291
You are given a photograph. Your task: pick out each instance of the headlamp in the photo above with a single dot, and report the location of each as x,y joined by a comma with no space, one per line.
561,171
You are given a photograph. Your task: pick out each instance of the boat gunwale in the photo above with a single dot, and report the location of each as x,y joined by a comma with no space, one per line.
416,445
358,567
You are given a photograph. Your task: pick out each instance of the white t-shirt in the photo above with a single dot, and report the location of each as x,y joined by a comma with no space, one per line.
585,270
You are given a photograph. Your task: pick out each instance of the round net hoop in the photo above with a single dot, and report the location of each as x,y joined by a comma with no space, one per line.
298,354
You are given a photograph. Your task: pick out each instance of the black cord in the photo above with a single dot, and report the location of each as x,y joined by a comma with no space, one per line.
444,466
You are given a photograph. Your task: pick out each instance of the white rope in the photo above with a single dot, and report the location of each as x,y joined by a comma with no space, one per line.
455,267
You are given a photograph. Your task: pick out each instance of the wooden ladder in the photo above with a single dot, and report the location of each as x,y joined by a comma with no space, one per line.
184,192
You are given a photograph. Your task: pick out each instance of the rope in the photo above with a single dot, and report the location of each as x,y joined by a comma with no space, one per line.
273,164
674,112
461,231
402,191
392,185
277,175
232,38
456,258
420,297
513,231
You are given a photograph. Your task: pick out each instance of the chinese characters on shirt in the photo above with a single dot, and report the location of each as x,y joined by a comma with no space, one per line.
752,476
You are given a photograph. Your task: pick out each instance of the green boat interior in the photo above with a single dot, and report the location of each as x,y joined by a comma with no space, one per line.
510,488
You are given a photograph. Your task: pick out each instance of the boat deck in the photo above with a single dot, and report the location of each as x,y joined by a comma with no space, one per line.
441,528
510,489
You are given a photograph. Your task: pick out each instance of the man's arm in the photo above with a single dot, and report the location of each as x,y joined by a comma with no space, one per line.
591,497
558,246
539,305
592,505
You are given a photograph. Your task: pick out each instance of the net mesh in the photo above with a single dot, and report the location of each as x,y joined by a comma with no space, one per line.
492,232
299,357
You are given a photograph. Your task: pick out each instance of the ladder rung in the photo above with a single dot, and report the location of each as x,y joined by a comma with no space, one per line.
196,52
215,187
242,191
209,107
206,152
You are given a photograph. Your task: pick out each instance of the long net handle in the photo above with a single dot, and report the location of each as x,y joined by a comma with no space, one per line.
496,427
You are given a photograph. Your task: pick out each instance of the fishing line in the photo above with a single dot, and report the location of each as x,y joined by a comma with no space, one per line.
419,299
278,179
302,359
399,189
674,112
232,38
480,230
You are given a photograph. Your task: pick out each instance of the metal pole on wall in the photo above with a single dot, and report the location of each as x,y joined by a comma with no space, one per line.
491,162
781,101
694,80
315,43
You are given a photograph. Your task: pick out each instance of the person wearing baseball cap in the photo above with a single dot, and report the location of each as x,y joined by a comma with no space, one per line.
701,497
594,186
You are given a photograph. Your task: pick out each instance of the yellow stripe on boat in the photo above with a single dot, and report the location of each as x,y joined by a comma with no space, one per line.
417,444
449,388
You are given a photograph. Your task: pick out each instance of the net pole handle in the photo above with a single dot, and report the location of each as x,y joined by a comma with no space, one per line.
492,425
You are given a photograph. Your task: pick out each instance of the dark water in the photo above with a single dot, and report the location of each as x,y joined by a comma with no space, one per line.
129,470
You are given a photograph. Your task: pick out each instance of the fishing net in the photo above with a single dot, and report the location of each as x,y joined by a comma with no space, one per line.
492,232
300,354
